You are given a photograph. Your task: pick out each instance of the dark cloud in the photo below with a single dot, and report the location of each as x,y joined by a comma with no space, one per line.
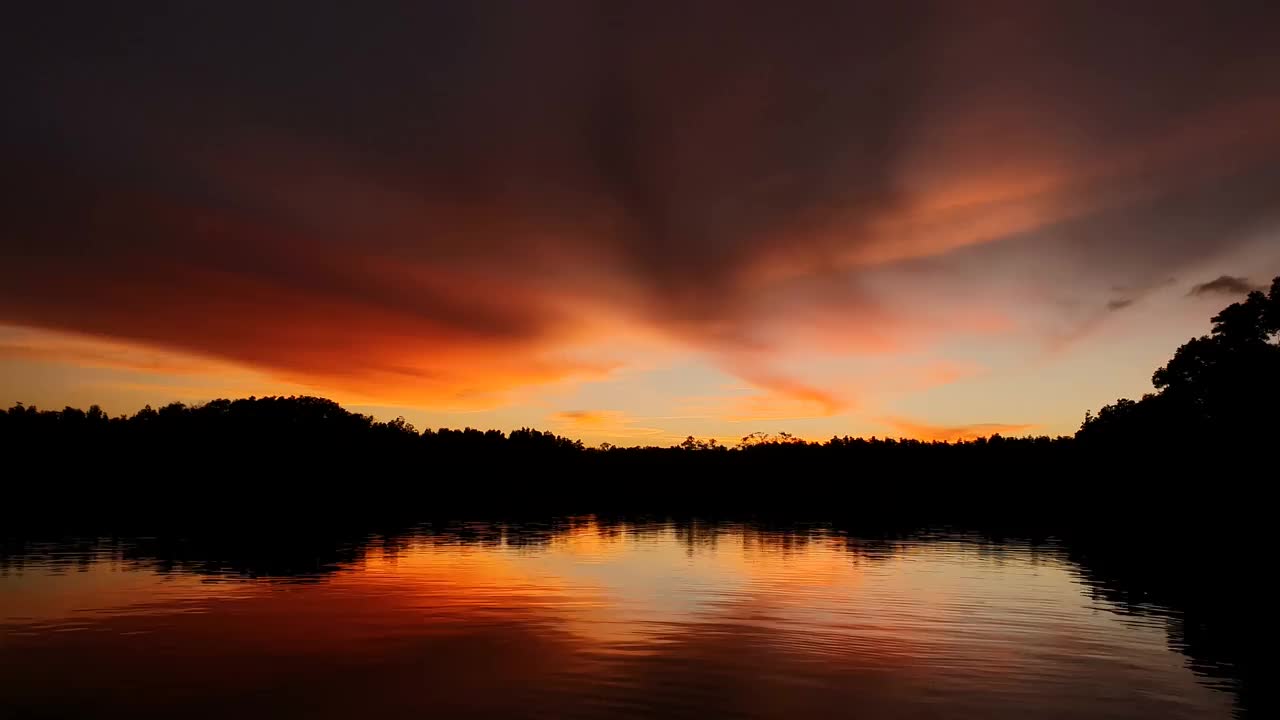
1166,282
1225,285
1136,291
292,185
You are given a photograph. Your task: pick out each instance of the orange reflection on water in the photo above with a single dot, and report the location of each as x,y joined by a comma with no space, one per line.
587,619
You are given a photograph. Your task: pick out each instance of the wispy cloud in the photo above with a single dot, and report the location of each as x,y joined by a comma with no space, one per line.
607,425
766,396
952,433
90,352
590,419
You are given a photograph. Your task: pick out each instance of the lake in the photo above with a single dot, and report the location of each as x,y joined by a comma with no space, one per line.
581,618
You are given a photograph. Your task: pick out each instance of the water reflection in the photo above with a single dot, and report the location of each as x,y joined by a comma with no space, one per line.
587,618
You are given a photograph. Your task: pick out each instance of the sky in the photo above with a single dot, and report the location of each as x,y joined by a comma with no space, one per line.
630,222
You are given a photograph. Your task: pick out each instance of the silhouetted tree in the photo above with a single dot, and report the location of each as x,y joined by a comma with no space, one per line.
1221,388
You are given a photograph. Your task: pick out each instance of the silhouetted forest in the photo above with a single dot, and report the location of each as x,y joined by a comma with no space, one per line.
1212,419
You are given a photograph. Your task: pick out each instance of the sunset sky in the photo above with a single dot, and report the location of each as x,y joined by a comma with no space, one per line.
632,221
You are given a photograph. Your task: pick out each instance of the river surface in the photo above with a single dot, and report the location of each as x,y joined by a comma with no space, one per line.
583,619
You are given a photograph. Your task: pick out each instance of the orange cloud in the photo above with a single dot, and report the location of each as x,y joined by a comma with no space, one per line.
607,425
954,433
945,372
784,397
768,398
83,351
344,324
590,419
960,200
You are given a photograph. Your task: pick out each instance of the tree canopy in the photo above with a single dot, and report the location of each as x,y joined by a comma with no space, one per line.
1223,387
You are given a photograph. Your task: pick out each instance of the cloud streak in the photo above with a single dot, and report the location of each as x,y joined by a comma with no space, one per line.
608,425
955,433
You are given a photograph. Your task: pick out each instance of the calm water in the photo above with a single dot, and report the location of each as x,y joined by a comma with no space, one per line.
582,620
